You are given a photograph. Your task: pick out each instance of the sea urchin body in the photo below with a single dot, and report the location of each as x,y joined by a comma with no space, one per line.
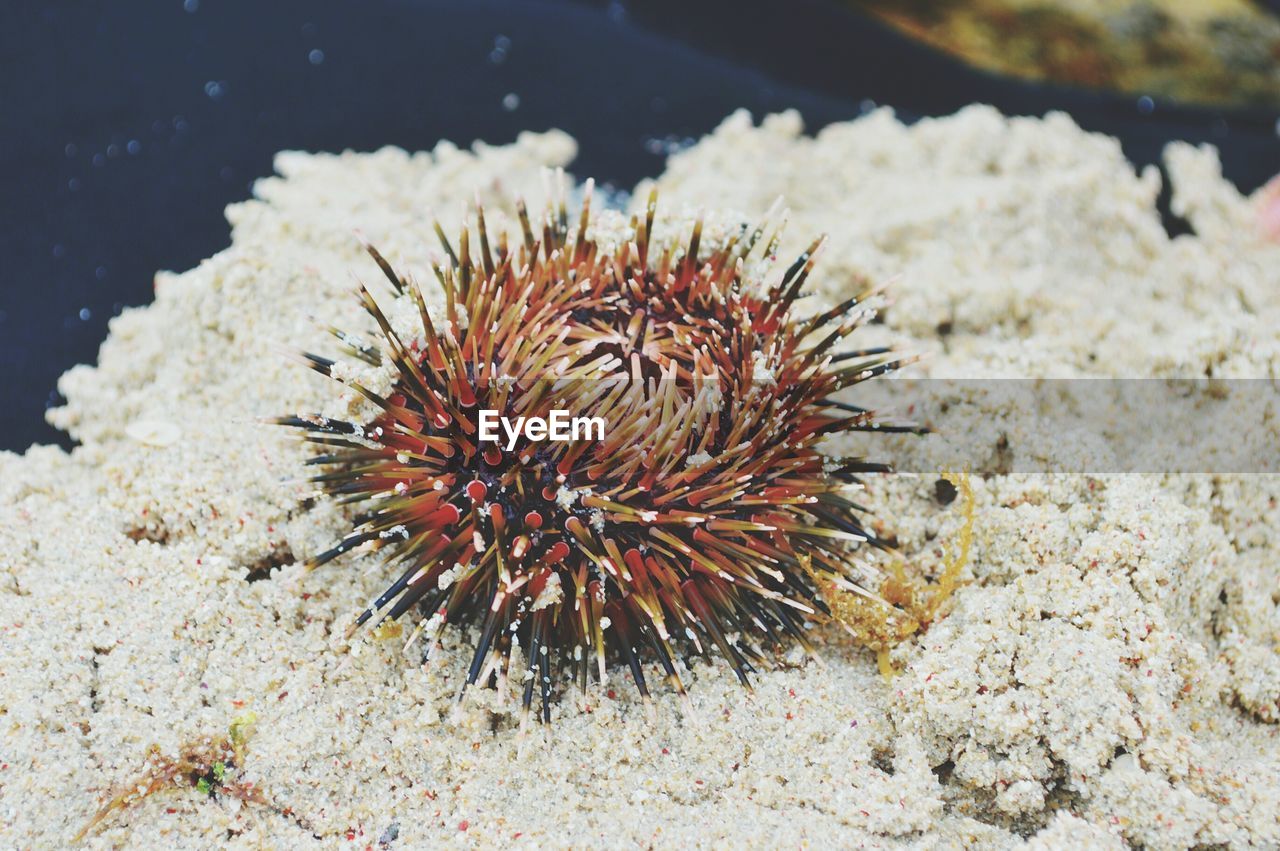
707,516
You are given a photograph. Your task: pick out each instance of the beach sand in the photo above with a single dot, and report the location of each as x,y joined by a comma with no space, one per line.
1107,674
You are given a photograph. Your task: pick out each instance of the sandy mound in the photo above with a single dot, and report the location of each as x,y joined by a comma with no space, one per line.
1109,673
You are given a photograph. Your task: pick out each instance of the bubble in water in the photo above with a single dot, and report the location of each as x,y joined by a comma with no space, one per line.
190,5
134,147
99,160
215,89
667,145
511,102
70,150
1146,105
501,44
85,314
100,273
316,56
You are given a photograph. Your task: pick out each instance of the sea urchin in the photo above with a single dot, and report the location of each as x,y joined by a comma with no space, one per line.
706,517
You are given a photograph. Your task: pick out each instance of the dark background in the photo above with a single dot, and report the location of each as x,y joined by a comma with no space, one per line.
126,127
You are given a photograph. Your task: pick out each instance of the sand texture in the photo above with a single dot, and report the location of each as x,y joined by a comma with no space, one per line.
1107,675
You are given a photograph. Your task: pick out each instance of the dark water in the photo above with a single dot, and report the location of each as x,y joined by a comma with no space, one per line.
126,127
